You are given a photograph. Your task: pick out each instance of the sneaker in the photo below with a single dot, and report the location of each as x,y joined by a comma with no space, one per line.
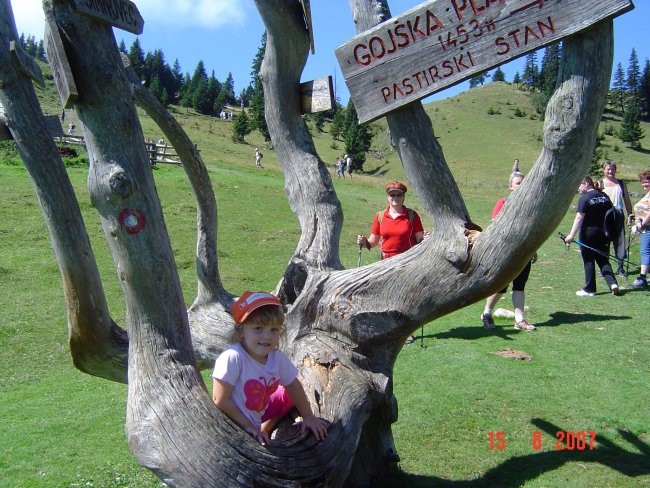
488,322
639,282
621,272
615,290
582,293
524,325
409,340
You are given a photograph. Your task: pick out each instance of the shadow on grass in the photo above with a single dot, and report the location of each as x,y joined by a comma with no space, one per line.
566,318
475,332
519,470
507,332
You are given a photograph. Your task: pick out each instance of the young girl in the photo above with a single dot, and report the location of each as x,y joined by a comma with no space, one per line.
254,383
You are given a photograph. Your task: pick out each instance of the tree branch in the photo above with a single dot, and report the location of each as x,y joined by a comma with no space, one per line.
98,346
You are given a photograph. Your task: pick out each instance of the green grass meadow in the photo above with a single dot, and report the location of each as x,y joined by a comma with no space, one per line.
587,383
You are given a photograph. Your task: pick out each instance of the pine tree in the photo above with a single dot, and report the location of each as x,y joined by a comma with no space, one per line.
633,74
619,88
240,127
477,80
550,69
531,71
644,91
499,75
337,127
631,131
256,111
136,57
357,137
228,87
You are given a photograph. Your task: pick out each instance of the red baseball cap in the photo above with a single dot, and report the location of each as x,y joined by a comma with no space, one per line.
252,300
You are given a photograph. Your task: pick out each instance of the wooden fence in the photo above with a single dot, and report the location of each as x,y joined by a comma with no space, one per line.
158,152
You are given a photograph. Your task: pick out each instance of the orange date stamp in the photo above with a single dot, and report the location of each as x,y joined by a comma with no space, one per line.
570,440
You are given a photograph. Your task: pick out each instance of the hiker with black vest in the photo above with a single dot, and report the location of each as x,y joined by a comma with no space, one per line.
397,227
589,220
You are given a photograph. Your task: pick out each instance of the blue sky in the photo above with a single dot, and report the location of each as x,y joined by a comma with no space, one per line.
226,34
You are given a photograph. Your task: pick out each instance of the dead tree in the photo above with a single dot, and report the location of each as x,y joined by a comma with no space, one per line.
345,327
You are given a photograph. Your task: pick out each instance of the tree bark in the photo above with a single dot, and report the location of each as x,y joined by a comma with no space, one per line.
344,327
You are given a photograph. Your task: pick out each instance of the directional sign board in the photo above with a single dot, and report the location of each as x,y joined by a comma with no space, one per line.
443,42
122,14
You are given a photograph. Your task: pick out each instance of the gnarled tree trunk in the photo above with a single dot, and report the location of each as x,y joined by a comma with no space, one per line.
345,327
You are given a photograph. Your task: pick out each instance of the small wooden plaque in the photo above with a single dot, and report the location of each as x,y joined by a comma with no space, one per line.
317,95
26,63
58,61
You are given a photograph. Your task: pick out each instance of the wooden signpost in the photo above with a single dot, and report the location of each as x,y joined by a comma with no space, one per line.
26,63
317,95
58,61
122,14
443,42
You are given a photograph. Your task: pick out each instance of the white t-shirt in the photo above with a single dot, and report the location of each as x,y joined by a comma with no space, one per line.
253,382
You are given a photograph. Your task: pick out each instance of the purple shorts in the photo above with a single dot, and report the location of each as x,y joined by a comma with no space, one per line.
279,404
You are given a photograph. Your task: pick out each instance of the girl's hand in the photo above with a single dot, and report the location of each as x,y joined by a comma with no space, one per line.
261,436
317,425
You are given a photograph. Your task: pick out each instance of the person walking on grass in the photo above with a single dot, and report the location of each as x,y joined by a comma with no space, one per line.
641,220
519,283
589,220
254,383
617,193
258,158
397,227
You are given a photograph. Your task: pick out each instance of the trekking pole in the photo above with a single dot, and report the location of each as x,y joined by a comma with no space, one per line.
359,257
627,251
597,251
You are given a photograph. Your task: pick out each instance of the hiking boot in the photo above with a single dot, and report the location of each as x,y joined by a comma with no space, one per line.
524,325
640,282
488,323
582,293
615,289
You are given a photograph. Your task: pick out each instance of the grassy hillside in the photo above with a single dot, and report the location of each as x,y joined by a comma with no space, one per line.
590,366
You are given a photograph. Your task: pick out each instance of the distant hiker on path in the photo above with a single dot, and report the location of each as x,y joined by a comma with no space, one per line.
258,158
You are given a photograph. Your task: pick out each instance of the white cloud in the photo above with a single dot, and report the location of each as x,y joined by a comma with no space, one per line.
186,13
29,17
